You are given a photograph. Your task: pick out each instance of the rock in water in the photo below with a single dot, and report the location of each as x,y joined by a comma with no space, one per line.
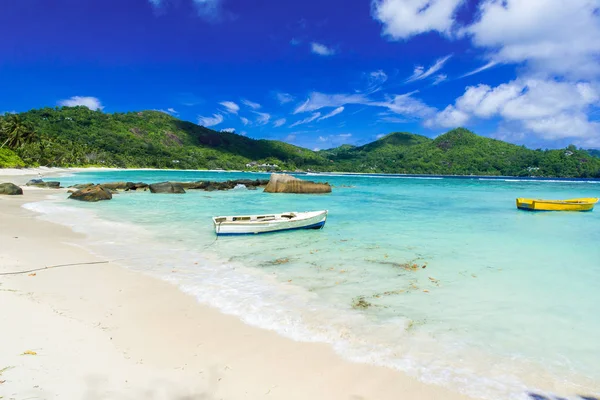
10,189
282,183
166,187
41,184
92,193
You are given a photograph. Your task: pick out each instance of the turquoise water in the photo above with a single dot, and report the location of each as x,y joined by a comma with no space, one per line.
441,278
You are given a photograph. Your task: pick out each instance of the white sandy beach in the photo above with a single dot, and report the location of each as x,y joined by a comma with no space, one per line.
101,331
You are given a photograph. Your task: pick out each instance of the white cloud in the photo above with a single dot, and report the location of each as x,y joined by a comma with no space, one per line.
403,104
306,120
318,100
552,36
380,136
332,113
290,138
228,130
216,119
7,112
263,118
284,98
170,111
251,104
244,133
321,49
402,19
420,73
439,79
550,109
450,117
245,121
208,9
92,103
230,106
279,122
375,79
480,69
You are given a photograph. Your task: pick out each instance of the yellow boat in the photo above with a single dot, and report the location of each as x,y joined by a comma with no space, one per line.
583,204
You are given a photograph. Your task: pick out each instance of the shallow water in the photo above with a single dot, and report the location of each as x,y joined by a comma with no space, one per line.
441,278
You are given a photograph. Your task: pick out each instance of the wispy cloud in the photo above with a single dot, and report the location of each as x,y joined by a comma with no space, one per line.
170,111
251,104
332,113
228,130
404,104
284,98
92,103
208,9
439,79
375,79
245,121
279,122
216,119
230,106
321,49
263,118
420,73
480,69
319,100
306,120
155,3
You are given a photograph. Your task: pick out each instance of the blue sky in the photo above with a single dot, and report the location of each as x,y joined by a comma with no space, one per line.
316,73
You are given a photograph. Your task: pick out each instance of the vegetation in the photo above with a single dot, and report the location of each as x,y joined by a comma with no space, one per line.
9,159
594,153
77,136
461,152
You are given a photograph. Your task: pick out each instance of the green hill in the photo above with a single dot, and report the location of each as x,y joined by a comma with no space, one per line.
72,136
461,152
77,136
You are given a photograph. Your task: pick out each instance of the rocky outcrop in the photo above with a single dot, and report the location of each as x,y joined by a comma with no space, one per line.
80,186
92,194
227,185
126,186
10,189
282,183
41,184
167,187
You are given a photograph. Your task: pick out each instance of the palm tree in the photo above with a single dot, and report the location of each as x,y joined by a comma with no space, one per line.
16,131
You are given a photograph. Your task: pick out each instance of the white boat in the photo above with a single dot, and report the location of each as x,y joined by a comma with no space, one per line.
254,224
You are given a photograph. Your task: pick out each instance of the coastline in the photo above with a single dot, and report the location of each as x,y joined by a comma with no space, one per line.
102,329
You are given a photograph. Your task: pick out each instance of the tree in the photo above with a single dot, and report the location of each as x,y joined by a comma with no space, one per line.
16,132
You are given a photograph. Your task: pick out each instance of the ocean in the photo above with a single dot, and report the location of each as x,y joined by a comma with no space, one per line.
441,278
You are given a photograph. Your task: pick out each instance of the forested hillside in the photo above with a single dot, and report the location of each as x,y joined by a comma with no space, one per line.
77,136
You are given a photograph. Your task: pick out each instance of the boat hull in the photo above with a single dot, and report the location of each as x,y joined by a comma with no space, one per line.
314,220
583,204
